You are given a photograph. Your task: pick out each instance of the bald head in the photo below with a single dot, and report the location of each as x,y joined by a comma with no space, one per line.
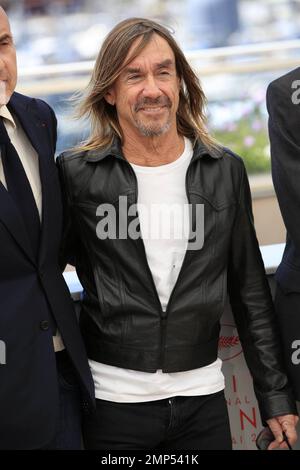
4,17
8,65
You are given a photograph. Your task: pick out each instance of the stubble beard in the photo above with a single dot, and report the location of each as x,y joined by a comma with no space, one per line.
152,129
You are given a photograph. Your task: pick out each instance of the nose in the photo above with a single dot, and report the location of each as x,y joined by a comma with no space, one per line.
151,88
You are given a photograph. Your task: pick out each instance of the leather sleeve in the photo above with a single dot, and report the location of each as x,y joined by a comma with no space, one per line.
253,311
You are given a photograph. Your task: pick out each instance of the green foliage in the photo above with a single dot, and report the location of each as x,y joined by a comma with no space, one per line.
248,137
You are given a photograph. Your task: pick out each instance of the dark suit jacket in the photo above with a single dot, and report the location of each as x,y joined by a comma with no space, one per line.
28,381
284,131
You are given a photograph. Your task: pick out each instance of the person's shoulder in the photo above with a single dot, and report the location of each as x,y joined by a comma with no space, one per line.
231,161
69,155
33,108
229,165
30,101
36,106
72,168
71,162
286,79
233,157
221,154
283,85
88,155
235,165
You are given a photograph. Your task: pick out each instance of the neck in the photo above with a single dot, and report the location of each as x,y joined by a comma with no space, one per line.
153,151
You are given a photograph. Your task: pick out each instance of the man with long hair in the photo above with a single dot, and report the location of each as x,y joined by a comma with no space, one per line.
160,229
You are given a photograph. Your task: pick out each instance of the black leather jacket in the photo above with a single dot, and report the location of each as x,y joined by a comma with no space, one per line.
122,320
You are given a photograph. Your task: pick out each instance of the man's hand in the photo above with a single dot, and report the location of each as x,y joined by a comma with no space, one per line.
286,423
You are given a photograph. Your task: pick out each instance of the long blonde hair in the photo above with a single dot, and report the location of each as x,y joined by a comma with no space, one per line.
110,62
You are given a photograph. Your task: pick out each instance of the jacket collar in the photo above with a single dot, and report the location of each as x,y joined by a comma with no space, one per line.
115,150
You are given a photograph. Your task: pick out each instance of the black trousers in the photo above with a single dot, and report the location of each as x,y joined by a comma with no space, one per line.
179,423
287,305
68,432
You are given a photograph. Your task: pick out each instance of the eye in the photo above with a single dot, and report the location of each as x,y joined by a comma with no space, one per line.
164,73
134,77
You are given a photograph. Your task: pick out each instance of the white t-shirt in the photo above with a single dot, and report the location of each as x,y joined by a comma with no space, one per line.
161,200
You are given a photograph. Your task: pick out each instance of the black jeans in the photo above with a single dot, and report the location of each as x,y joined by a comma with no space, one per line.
178,423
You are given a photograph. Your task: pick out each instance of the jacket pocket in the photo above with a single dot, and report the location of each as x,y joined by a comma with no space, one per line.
218,221
110,295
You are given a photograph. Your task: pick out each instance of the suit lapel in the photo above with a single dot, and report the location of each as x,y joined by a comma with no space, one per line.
37,133
11,218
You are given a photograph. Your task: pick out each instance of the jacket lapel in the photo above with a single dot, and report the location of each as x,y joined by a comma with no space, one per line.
37,133
11,218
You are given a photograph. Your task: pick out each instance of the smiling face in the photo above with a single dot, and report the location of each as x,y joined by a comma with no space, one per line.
146,94
8,63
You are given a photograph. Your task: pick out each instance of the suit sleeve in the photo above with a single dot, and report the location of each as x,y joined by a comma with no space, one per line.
69,245
252,307
284,133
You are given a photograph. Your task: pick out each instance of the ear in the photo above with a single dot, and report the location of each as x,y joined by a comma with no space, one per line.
110,97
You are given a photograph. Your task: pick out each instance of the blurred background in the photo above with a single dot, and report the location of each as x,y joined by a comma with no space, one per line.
236,47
